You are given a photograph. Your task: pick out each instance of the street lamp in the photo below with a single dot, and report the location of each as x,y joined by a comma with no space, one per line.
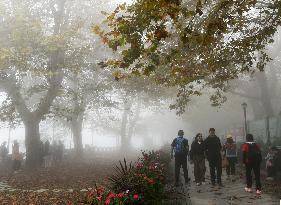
244,106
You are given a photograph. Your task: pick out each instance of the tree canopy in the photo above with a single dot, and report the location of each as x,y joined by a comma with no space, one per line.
42,43
191,44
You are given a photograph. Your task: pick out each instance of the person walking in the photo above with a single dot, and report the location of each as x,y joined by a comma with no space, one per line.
252,159
212,147
230,152
16,156
180,149
197,156
3,152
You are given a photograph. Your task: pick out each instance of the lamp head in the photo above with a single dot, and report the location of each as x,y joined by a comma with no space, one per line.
244,105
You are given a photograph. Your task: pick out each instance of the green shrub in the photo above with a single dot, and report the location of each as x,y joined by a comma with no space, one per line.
141,183
146,177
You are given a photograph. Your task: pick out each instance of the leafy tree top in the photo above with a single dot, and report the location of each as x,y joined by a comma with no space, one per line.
191,44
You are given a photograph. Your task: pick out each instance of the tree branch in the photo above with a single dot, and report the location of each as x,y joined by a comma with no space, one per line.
46,102
9,85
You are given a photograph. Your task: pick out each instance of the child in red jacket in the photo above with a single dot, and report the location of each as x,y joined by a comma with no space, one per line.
252,159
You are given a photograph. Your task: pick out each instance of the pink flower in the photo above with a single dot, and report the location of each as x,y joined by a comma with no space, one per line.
111,195
120,195
136,196
99,198
100,190
151,168
139,165
90,193
107,201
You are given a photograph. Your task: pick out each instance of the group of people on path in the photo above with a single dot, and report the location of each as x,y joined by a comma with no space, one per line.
217,155
51,153
48,154
16,155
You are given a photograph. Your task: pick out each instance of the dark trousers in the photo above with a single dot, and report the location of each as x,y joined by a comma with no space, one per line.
230,168
181,161
199,168
271,171
16,165
256,168
215,170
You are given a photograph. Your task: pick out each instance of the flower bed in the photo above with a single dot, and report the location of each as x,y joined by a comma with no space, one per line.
139,183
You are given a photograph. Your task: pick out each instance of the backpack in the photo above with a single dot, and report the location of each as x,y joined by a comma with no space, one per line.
254,154
180,148
230,150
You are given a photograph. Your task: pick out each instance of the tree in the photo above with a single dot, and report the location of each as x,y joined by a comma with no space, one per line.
89,89
134,95
261,88
86,86
191,44
37,49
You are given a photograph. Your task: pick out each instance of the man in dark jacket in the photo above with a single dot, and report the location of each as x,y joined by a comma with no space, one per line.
181,148
212,147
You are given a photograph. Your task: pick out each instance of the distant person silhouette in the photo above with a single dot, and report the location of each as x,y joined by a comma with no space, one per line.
3,152
16,156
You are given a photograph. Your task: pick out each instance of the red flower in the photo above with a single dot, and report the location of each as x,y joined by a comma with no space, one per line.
151,181
111,195
151,167
100,190
136,196
107,201
99,198
90,193
120,195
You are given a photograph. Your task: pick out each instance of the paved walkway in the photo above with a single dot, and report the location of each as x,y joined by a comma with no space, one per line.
232,193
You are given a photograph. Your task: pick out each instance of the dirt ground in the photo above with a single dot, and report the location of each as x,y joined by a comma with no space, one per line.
53,186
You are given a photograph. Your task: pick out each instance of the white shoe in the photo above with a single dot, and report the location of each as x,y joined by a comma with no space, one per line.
258,192
249,190
198,184
269,178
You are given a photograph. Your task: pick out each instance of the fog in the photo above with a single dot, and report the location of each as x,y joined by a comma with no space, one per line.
91,98
90,108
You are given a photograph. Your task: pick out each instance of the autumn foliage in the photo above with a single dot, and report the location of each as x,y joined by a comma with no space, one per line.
193,45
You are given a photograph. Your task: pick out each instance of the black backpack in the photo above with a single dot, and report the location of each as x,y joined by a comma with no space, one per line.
254,154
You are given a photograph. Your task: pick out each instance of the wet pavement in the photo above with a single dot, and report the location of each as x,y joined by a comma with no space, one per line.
232,192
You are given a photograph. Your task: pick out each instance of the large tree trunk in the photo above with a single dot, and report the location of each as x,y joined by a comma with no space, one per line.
257,109
265,95
32,143
76,128
133,122
124,125
123,131
32,119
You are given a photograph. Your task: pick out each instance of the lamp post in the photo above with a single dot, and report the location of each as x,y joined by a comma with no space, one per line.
244,106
